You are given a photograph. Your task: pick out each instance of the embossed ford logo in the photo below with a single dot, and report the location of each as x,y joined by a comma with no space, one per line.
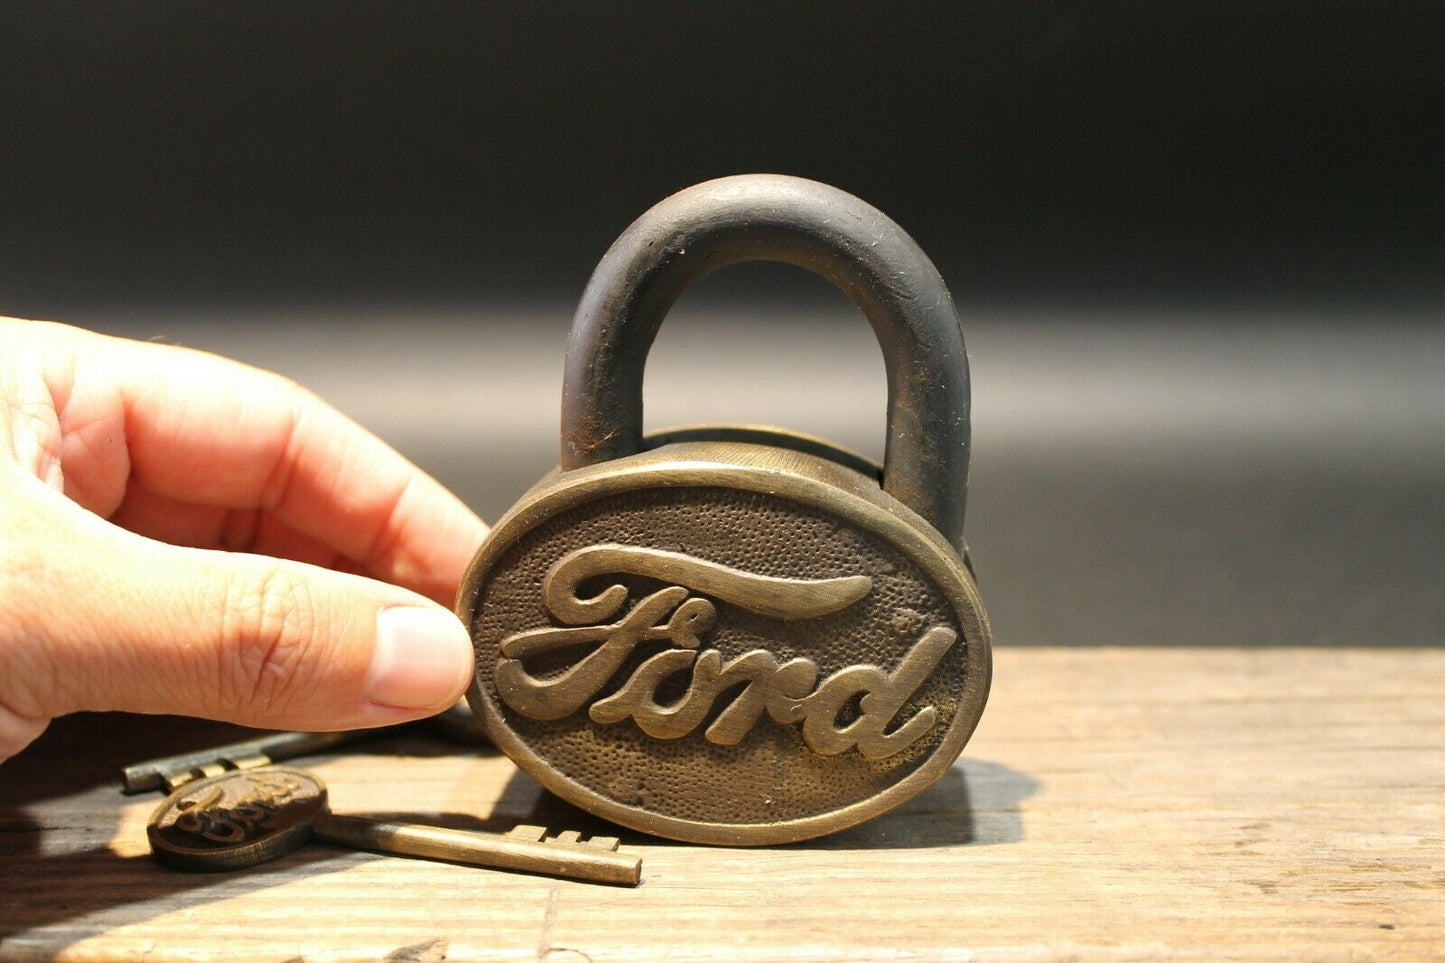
678,614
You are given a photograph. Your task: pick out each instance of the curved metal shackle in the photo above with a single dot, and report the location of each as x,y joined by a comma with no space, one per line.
768,217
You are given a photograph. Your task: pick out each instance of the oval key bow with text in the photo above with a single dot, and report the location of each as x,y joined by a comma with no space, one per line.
740,635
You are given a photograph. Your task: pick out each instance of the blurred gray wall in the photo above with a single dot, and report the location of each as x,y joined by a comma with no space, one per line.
1162,478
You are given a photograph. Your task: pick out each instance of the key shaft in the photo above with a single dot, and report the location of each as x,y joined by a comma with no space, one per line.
590,862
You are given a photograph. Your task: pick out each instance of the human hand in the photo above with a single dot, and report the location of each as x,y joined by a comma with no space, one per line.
183,534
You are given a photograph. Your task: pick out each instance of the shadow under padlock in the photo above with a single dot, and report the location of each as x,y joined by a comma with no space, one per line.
732,634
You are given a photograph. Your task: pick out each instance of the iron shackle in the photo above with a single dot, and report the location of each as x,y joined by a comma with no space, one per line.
768,217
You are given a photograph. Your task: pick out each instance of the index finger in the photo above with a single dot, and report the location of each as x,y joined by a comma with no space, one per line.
210,431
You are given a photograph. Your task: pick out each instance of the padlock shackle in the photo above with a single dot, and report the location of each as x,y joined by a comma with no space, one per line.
767,217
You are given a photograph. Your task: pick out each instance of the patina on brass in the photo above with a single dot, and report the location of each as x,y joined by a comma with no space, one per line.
734,634
237,819
242,818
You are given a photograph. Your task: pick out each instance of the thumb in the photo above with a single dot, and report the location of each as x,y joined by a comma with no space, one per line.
93,617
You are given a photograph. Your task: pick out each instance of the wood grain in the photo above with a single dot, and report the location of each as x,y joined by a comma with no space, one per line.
1115,803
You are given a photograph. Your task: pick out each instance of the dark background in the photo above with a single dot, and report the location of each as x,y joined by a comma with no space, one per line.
1199,248
1060,151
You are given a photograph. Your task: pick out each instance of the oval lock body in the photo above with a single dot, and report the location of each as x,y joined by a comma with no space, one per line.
739,636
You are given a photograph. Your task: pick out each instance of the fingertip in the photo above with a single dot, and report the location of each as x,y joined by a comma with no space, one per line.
17,732
422,659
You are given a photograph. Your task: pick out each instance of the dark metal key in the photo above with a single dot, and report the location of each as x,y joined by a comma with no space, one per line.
169,773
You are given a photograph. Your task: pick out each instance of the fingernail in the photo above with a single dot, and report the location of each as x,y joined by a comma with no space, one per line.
422,660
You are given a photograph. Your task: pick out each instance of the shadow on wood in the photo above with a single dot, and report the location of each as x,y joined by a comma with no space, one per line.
975,803
86,892
72,775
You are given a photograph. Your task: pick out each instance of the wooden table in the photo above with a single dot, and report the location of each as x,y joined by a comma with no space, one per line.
1115,803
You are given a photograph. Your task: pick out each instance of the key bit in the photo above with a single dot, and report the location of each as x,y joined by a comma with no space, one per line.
458,724
172,772
245,817
538,834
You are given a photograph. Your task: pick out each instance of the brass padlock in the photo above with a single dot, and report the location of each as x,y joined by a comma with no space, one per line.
736,635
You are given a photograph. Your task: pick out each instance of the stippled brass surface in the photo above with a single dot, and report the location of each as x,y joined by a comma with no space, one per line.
722,652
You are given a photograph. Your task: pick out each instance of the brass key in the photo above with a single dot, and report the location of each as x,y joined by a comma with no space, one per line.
526,849
245,817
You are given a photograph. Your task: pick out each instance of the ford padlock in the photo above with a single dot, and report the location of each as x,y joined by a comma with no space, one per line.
736,635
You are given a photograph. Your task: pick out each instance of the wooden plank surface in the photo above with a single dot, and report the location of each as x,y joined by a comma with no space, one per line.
1115,803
